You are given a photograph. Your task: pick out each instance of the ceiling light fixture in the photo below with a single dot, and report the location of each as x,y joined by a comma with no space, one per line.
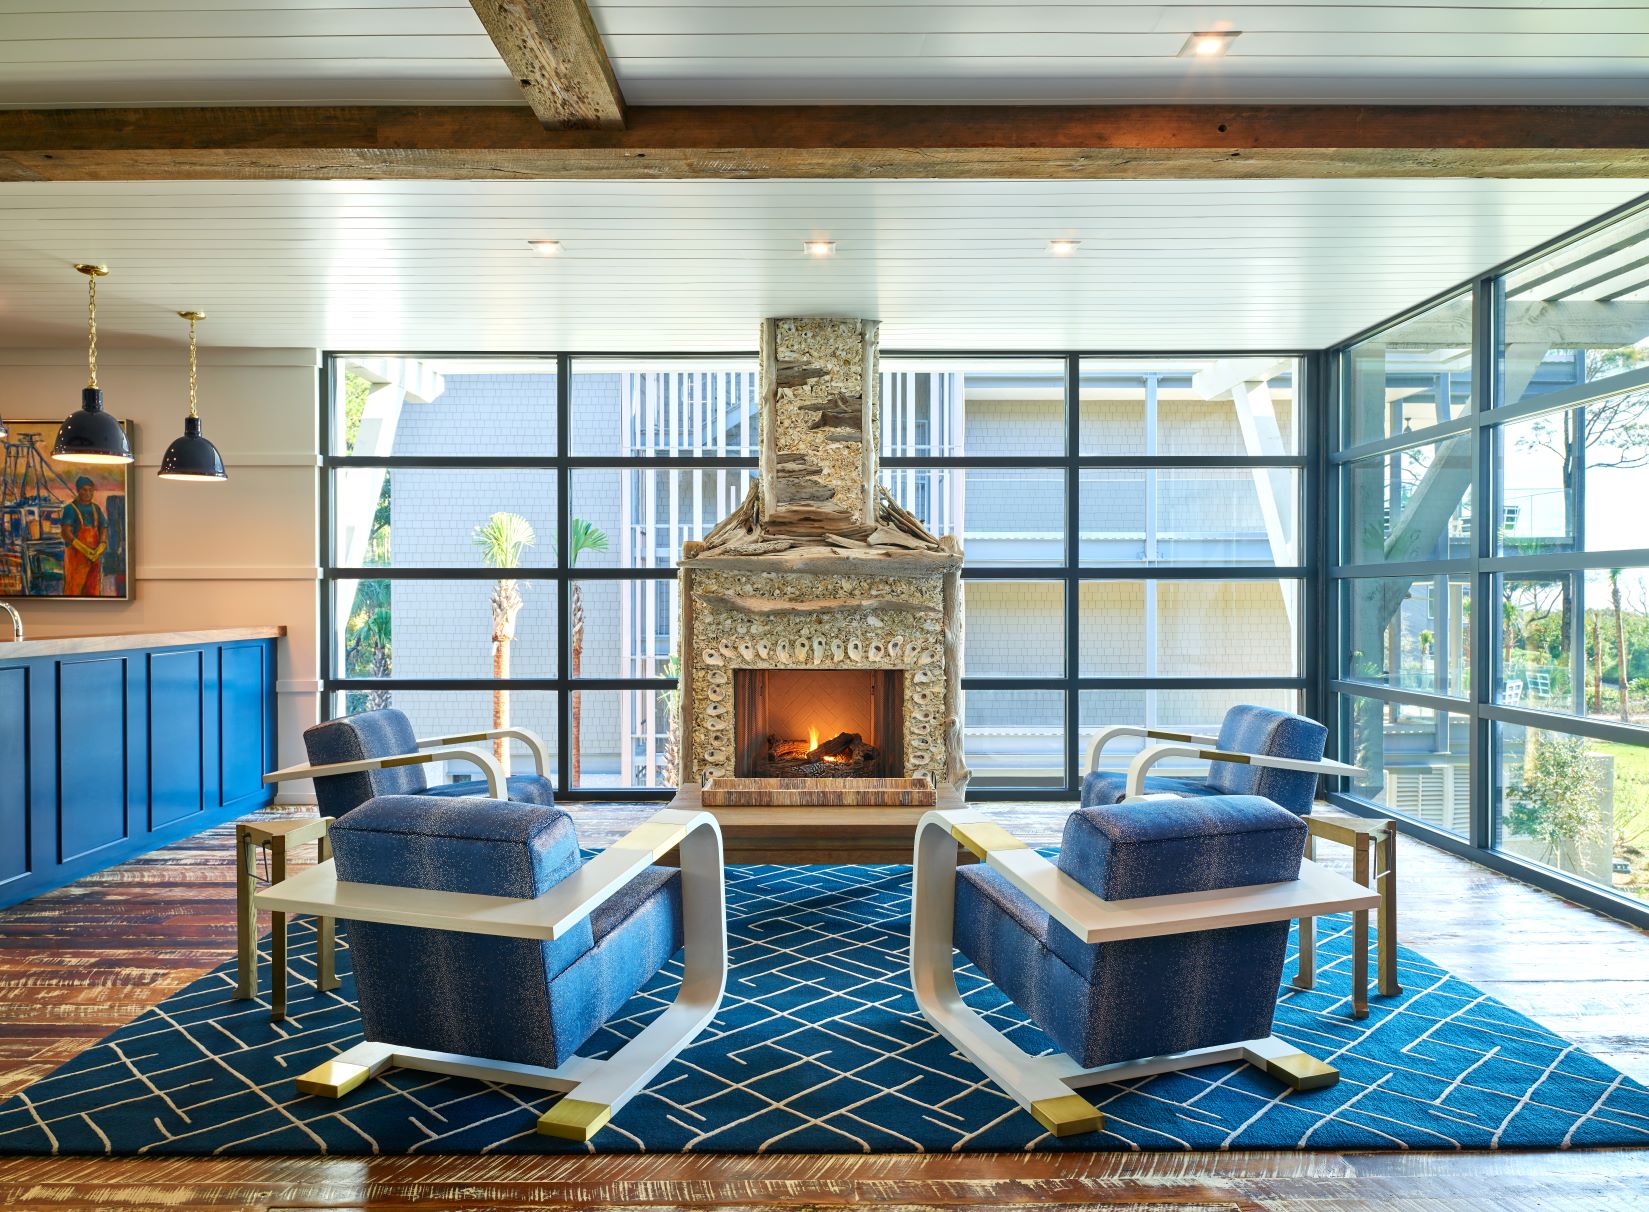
192,457
90,435
545,248
819,248
1209,44
1063,247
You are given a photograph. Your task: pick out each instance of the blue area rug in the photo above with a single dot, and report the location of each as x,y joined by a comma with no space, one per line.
819,1048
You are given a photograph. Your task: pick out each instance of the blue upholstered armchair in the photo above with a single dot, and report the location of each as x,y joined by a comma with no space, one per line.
1259,751
377,753
1154,942
484,946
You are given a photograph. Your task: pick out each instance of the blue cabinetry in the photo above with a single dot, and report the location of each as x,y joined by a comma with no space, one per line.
108,754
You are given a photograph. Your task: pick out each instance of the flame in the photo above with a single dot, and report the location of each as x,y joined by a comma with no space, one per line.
812,739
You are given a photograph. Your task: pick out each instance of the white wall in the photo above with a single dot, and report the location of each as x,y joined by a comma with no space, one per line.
235,554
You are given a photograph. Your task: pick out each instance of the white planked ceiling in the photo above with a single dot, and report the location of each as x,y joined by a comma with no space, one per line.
694,265
146,52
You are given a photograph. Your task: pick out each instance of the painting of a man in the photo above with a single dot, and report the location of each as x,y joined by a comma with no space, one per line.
64,527
85,539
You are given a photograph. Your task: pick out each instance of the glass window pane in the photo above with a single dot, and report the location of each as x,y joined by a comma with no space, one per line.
972,406
629,628
1188,406
416,517
444,406
1415,761
444,712
665,406
1578,315
1576,804
1410,632
443,629
639,517
1014,738
1538,658
1537,642
1015,628
1226,628
1189,516
1110,631
1576,479
624,738
1006,517
1413,504
1411,376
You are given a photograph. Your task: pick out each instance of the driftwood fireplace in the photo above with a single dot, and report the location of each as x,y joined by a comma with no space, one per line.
821,622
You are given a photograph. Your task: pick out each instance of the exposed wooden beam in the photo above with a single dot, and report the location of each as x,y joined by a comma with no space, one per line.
1042,142
556,53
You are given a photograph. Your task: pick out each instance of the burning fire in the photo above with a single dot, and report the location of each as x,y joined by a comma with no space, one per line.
813,743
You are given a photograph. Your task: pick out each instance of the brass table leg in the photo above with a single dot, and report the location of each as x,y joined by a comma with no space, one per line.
1305,974
1386,881
326,973
246,918
277,937
1360,856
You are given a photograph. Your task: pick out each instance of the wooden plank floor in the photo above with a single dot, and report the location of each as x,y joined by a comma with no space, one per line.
81,961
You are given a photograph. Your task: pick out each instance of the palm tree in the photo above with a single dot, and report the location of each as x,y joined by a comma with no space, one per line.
502,538
582,537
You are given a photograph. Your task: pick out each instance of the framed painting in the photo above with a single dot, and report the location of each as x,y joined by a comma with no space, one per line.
65,528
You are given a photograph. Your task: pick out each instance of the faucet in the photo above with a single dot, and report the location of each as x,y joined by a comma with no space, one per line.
16,622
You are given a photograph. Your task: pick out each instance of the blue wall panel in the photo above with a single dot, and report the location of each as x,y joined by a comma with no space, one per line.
243,679
104,757
177,708
14,775
91,747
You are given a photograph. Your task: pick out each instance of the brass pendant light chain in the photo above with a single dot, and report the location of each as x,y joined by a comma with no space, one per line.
91,329
193,320
93,273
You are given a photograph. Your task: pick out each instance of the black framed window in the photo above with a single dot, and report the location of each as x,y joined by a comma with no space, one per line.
1135,529
1491,604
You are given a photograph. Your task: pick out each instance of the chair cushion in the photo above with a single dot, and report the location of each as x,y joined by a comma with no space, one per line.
1128,1000
1165,847
636,934
473,994
1102,787
1264,730
523,789
368,734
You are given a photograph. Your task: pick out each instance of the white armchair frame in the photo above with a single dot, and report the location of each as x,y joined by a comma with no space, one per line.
1195,745
453,748
1046,1085
594,1089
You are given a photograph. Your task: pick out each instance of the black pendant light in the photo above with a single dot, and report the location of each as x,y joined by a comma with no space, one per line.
192,457
90,435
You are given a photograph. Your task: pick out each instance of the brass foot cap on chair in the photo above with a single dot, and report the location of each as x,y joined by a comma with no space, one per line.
1068,1115
1301,1071
574,1119
333,1079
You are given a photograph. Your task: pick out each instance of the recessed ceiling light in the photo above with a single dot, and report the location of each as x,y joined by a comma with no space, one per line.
1063,247
545,248
1209,44
819,248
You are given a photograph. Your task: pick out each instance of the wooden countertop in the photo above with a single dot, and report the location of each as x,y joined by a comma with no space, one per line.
71,645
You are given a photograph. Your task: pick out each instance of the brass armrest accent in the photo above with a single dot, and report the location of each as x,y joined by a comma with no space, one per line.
981,837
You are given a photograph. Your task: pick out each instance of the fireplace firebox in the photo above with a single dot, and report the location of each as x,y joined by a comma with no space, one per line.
819,723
